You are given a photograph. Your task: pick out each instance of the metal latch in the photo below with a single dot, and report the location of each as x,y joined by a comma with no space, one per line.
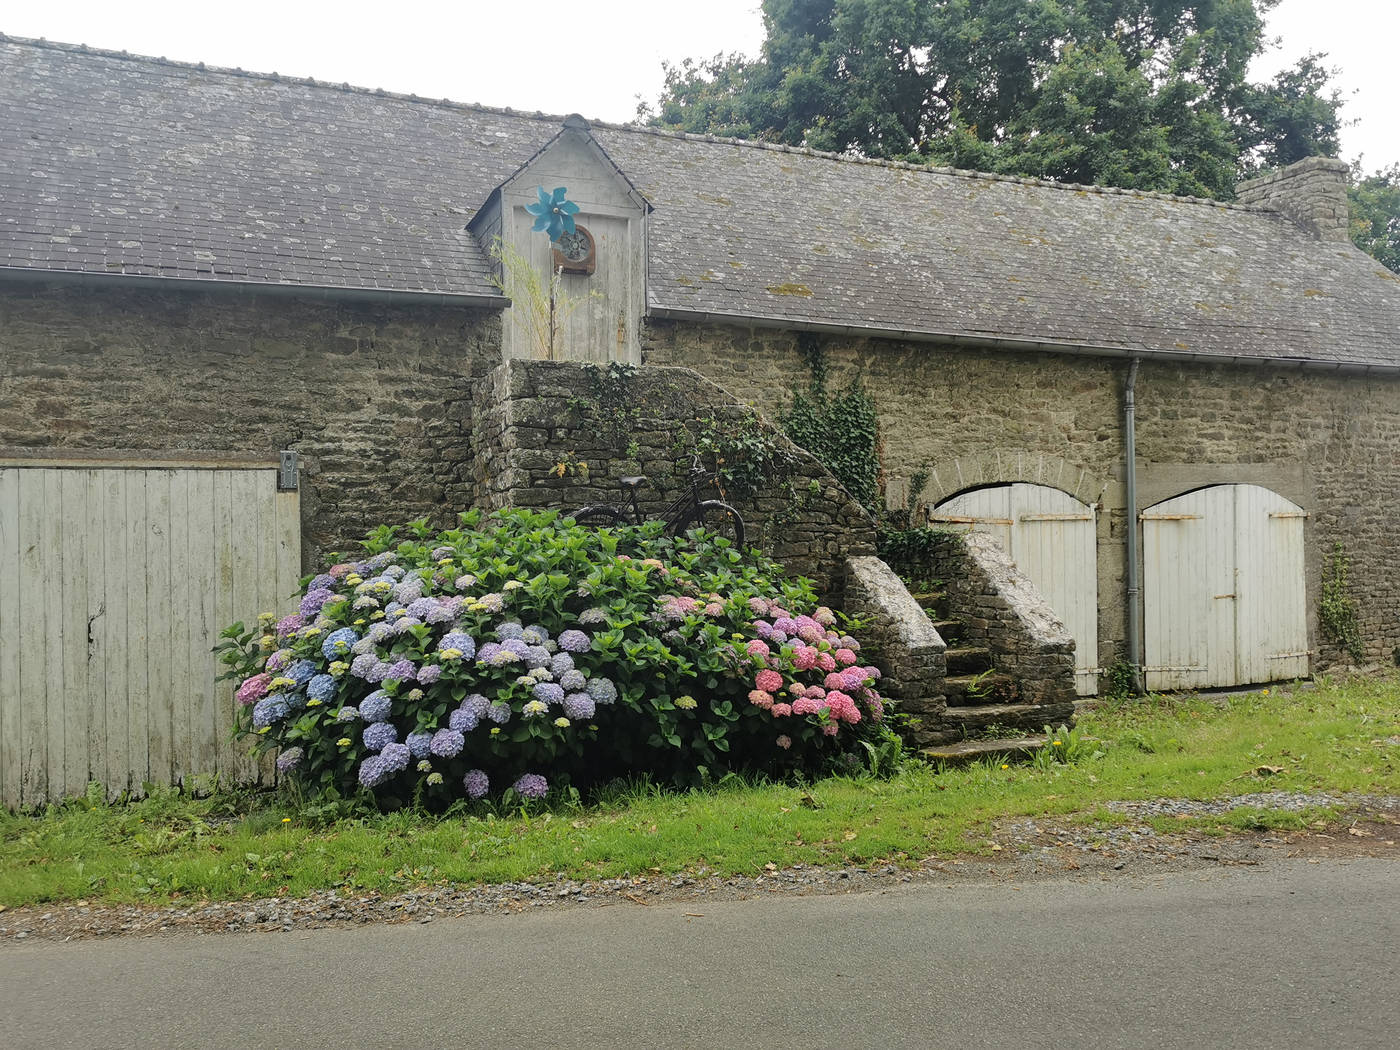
287,465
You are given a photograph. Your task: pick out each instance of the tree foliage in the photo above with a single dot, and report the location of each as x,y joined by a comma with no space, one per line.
1148,94
1375,214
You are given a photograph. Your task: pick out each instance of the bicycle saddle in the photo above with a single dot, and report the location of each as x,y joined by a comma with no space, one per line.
631,483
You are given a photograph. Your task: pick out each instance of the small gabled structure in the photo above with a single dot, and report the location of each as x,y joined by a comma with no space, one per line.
598,291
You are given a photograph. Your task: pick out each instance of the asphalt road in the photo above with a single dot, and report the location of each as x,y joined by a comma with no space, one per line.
1291,954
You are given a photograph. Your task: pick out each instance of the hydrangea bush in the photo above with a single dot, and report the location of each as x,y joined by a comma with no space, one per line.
521,651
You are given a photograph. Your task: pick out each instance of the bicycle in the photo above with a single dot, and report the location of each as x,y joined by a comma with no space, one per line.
687,512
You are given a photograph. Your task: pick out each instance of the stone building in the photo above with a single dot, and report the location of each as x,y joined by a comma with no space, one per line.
201,269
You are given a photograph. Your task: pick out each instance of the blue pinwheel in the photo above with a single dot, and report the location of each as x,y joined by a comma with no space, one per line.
553,214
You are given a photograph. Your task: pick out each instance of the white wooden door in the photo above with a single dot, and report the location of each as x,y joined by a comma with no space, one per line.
1223,589
116,583
1052,538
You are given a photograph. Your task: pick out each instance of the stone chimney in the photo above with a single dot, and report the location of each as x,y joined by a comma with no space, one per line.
1312,192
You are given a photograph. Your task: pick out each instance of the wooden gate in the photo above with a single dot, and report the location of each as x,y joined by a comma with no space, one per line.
116,583
1223,589
1052,538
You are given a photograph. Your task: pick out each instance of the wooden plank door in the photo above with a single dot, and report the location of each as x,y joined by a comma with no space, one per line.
1052,538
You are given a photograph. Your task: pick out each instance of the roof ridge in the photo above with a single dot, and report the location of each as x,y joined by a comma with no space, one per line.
344,87
630,128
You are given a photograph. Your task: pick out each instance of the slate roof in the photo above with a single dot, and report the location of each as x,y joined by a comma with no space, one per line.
138,166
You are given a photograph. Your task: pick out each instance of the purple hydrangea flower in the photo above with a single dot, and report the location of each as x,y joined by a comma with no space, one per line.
404,624
269,710
278,661
348,713
463,721
379,671
574,679
363,664
459,640
438,553
380,632
289,625
301,672
534,634
381,560
421,607
401,671
373,771
338,643
315,598
429,674
575,642
378,735
487,652
448,743
579,706
289,759
537,656
408,590
476,704
516,646
321,580
321,687
440,614
477,783
417,743
549,692
499,713
396,757
376,706
602,690
562,662
531,785
510,631
394,572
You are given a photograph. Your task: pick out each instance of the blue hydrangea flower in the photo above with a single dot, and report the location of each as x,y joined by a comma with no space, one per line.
460,641
348,714
439,614
320,687
575,642
429,674
448,743
395,757
535,634
549,692
499,713
476,704
421,608
338,643
363,664
510,631
463,721
516,646
382,560
373,771
315,598
379,671
269,710
301,672
322,580
408,590
602,690
404,624
379,735
578,706
376,706
537,656
560,663
401,671
488,652
289,759
573,680
477,783
418,742
531,785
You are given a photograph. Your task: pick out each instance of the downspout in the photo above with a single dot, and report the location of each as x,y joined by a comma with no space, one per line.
1130,482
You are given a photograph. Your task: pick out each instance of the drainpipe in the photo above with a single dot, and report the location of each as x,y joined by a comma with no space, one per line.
1130,479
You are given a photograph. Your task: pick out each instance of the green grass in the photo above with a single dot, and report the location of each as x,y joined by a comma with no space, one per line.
1338,737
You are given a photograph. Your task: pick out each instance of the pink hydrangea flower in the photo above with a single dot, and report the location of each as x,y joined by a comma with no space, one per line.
758,606
757,648
809,630
852,678
782,710
253,689
824,616
768,680
831,729
343,569
786,624
804,657
714,609
844,657
816,692
826,661
784,741
872,672
806,706
835,681
759,698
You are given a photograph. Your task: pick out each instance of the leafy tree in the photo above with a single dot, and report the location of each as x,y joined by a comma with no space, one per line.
1375,214
1150,94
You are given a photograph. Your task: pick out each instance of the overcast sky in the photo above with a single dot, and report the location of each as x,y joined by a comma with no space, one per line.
594,58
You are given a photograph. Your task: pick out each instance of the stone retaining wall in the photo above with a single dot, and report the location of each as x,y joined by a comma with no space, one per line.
910,648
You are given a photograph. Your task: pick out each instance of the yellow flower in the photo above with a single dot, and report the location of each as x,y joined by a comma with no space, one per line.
1056,743
495,730
360,622
450,654
562,723
267,641
311,632
338,668
286,820
400,612
281,683
354,579
476,607
343,742
685,703
267,619
1005,766
313,702
444,561
512,585
1263,692
378,614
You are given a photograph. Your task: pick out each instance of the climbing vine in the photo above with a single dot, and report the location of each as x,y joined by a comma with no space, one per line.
612,401
1336,609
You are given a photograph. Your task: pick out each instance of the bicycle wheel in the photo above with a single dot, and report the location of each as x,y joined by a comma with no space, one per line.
717,518
598,517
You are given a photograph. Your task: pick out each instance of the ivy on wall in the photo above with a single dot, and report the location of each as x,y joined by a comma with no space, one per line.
839,427
1336,612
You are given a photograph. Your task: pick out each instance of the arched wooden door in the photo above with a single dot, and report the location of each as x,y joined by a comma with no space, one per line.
1052,538
1224,599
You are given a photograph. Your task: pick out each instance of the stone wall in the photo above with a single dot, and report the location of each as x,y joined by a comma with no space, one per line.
1312,192
1325,441
1003,611
910,648
375,398
547,438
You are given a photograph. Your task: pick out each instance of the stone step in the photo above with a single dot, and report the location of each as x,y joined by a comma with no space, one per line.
949,630
927,598
968,659
973,750
982,688
1022,716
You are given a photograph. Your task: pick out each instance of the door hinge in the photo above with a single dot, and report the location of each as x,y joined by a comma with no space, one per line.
287,470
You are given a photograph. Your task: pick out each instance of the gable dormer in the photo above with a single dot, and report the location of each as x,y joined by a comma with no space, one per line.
598,277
